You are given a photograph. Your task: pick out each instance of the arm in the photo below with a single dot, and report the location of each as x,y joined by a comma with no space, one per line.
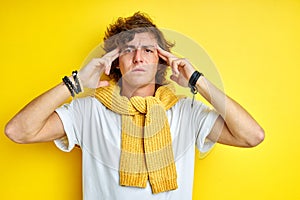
38,121
234,126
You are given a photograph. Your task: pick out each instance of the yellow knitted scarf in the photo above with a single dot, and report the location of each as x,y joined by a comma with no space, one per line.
146,146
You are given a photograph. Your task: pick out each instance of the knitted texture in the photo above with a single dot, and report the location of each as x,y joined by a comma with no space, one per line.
146,146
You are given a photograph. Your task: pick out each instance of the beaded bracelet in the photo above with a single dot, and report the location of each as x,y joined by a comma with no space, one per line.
192,84
77,83
71,87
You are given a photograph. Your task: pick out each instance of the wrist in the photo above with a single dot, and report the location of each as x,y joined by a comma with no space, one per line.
73,83
192,83
194,78
201,82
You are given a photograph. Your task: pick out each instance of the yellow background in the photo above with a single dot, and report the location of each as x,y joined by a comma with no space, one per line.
255,45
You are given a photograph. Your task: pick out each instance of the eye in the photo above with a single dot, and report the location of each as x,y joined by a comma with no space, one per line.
149,50
127,50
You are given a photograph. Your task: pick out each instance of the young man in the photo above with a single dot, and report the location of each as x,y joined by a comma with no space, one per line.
137,136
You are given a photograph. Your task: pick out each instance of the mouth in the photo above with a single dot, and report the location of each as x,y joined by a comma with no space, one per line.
138,69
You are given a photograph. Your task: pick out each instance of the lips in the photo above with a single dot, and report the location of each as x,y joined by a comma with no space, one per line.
138,69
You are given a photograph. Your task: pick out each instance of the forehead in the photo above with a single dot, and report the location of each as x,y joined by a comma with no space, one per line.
142,39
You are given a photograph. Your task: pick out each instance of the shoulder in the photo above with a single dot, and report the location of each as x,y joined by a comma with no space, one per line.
84,104
186,107
188,104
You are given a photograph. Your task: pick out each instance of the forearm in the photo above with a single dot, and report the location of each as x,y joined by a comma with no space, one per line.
28,122
239,122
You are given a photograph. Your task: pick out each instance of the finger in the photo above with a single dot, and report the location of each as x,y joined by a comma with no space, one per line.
107,71
112,55
102,65
174,78
107,67
103,83
162,56
175,65
165,55
163,52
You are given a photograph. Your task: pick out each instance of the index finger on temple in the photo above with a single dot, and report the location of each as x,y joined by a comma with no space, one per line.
113,54
164,53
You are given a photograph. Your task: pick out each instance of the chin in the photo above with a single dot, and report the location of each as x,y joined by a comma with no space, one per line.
137,83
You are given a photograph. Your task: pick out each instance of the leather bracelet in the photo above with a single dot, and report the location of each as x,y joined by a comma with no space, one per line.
71,87
192,83
193,80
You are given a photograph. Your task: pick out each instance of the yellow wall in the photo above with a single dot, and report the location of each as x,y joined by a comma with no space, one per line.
254,44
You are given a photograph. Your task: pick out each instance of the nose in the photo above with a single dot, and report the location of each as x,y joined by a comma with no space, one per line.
138,57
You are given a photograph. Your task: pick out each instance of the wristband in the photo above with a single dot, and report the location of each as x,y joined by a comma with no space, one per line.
192,83
193,80
77,83
69,85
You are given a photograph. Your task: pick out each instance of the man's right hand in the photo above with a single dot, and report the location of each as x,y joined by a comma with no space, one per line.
90,75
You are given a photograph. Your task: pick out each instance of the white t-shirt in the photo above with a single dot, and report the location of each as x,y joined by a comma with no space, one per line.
97,130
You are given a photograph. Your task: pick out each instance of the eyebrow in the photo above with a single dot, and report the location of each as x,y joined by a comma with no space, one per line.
143,46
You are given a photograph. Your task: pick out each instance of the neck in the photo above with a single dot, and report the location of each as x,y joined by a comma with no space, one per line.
142,91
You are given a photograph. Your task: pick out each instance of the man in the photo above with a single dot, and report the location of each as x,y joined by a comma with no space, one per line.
137,136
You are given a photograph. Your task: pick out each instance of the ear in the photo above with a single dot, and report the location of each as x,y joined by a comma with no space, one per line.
158,66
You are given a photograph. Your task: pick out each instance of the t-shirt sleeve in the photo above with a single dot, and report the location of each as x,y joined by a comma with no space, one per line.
199,120
206,123
204,120
71,123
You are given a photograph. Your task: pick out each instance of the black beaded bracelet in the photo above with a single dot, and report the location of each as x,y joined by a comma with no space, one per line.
77,84
192,83
69,85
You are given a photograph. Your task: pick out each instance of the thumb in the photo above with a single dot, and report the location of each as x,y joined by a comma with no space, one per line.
103,84
174,78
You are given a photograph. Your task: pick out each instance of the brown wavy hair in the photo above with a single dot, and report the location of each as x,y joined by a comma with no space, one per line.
124,30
